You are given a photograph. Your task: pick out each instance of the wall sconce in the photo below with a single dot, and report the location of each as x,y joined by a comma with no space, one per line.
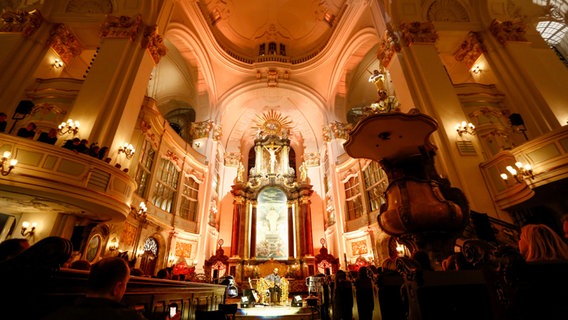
142,209
127,149
69,127
465,128
26,230
113,244
7,164
198,145
522,172
57,64
476,69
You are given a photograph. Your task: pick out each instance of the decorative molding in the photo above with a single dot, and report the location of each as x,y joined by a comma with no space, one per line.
510,30
154,43
201,129
232,159
418,32
20,21
470,49
64,43
340,130
89,6
388,46
312,159
217,132
121,27
173,157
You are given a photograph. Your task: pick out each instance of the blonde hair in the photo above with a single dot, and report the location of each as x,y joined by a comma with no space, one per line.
542,244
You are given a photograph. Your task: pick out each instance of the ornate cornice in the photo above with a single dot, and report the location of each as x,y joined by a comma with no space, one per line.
64,43
418,32
470,49
121,27
154,43
20,21
201,129
508,30
232,159
388,46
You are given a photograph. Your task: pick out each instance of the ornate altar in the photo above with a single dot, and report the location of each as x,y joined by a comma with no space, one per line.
271,210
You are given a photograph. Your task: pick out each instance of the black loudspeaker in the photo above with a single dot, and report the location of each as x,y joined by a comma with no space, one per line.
516,119
25,107
77,238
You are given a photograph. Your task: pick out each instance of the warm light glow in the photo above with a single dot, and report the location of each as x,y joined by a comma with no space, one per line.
523,171
7,164
69,127
57,64
476,69
400,249
465,128
26,231
127,149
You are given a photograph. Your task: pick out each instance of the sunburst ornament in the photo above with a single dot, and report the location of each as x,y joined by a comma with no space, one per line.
272,123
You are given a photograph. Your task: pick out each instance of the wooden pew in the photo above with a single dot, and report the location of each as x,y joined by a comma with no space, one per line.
148,295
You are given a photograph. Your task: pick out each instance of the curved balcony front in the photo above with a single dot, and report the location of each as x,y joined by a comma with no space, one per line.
51,178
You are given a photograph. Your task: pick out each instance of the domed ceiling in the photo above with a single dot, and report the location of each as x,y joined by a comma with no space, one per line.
303,27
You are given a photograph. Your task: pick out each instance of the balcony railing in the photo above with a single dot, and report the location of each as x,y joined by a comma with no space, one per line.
548,159
101,191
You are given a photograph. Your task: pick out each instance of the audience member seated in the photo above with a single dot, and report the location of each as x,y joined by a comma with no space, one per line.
3,122
105,288
94,150
83,146
12,247
538,242
27,276
48,137
80,265
137,272
536,289
103,153
173,312
564,221
72,144
28,131
163,274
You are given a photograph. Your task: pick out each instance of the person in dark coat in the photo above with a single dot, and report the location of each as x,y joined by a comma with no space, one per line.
48,137
364,294
342,297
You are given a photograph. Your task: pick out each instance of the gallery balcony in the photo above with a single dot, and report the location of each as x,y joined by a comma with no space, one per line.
51,178
514,175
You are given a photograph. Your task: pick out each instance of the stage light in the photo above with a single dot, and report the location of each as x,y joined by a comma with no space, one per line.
245,302
297,301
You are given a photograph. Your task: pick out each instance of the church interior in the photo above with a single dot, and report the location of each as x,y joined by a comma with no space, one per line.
228,138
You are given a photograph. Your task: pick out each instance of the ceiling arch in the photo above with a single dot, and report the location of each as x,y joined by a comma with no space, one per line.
241,107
